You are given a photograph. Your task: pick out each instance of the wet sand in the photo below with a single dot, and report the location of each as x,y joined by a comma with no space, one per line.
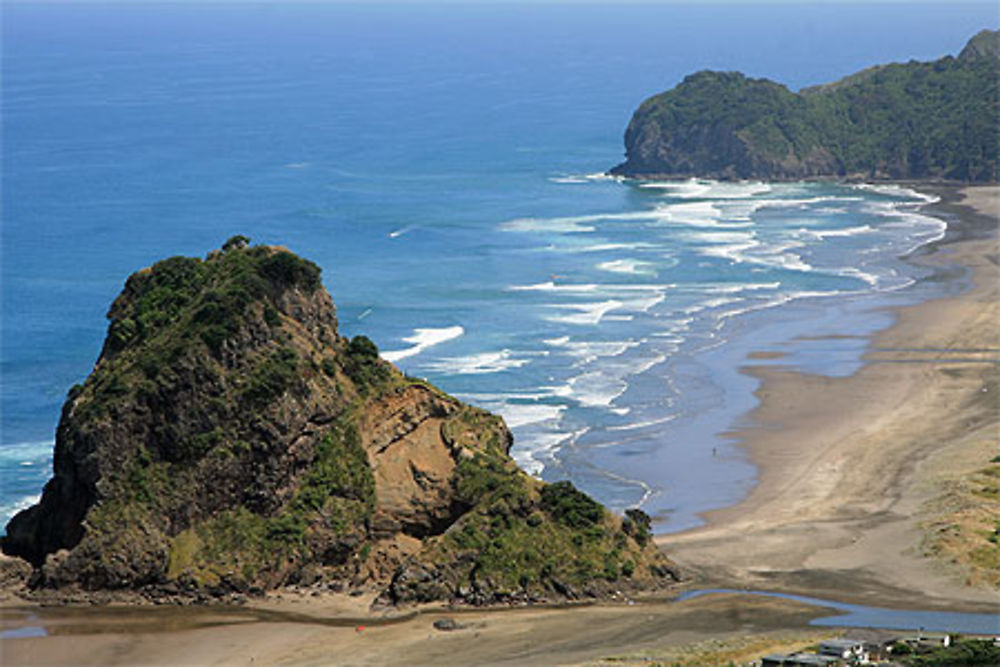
846,465
505,637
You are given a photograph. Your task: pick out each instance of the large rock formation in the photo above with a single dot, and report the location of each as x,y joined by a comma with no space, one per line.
229,438
935,120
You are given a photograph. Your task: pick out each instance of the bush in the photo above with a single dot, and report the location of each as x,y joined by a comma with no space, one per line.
272,377
362,365
637,524
571,507
285,269
965,652
238,242
362,348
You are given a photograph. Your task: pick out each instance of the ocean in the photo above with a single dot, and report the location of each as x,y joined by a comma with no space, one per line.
444,165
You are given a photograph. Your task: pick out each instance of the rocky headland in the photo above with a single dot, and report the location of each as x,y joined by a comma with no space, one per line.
913,121
229,441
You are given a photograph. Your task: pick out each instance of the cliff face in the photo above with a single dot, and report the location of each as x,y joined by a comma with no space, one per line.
932,120
229,438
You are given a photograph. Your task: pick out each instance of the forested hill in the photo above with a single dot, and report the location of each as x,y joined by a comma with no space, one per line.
919,120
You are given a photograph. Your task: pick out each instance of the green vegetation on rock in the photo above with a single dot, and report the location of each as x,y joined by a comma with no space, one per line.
523,540
919,120
229,439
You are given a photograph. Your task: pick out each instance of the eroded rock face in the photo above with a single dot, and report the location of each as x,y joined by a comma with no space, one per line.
229,439
412,463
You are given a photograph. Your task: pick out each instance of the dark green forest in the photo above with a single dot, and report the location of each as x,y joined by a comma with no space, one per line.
918,120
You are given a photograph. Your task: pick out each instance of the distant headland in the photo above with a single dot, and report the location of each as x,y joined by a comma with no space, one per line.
914,121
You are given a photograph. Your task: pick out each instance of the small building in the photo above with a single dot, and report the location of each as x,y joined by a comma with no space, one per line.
847,649
800,660
927,640
935,639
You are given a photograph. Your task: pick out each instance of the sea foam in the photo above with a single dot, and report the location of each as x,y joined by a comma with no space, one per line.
628,266
477,364
423,339
587,313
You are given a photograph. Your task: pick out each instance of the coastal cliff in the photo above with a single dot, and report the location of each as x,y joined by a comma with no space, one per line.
919,120
229,440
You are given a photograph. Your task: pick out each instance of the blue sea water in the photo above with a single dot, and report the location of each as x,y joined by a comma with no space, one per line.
443,164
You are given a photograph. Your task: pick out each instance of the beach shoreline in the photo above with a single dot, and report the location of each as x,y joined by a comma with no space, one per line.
847,465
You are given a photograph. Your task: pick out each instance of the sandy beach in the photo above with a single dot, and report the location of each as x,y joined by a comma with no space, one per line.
847,470
847,465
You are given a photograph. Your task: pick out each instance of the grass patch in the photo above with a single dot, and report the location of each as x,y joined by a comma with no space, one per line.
967,535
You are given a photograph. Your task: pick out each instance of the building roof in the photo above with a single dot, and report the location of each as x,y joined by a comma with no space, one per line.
811,659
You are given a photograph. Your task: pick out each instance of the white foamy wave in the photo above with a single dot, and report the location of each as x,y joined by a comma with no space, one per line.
575,223
852,272
399,232
718,214
603,176
629,266
520,414
588,313
709,304
909,218
532,447
688,189
635,426
584,178
423,339
643,305
926,229
565,225
643,364
846,231
755,252
596,389
551,286
752,206
8,510
590,288
893,190
734,252
696,214
721,237
588,351
739,190
736,288
37,452
777,301
692,189
604,247
478,364
786,260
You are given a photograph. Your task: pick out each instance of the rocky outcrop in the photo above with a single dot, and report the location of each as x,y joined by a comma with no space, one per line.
933,120
985,44
230,440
